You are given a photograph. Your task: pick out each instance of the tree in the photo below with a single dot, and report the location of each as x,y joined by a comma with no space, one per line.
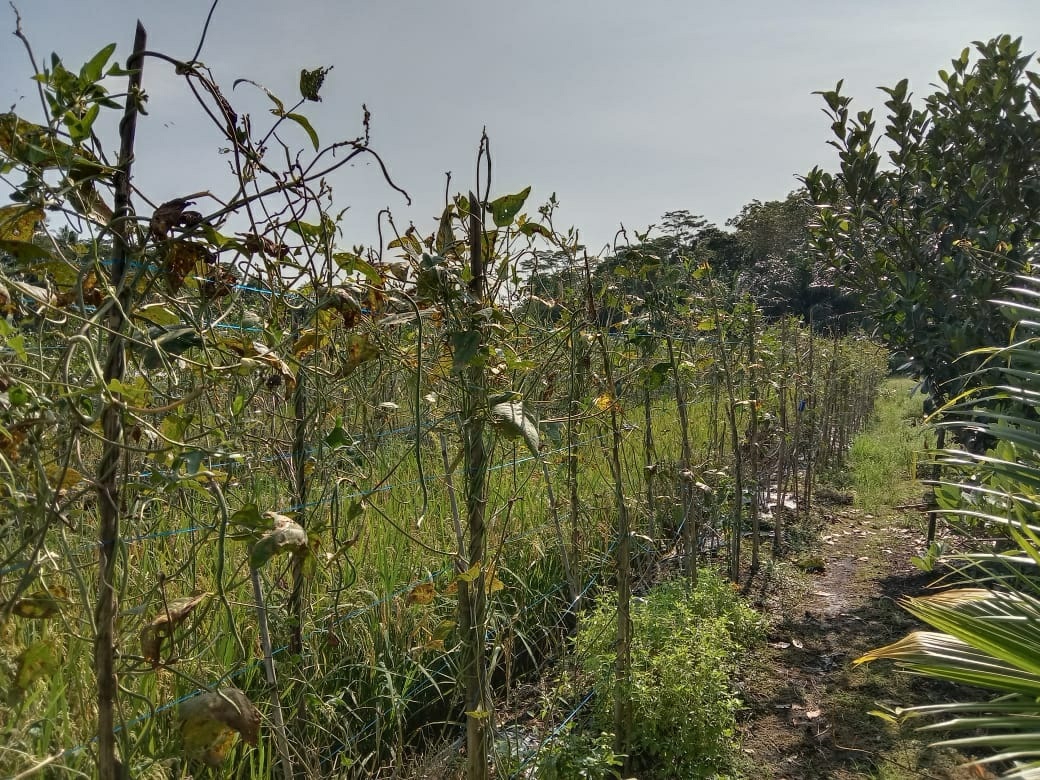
929,240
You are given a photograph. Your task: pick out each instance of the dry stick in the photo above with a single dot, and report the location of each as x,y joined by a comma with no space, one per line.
649,460
623,660
281,738
689,526
810,413
782,450
108,484
573,418
756,529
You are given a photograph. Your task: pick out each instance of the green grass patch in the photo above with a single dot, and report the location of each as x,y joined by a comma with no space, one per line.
883,458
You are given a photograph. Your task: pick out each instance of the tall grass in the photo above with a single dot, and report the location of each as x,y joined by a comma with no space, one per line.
883,458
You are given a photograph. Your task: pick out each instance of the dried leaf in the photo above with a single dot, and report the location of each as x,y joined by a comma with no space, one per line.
167,216
421,594
184,258
286,536
164,623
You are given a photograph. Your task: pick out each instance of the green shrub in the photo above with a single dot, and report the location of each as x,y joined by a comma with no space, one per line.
685,650
576,754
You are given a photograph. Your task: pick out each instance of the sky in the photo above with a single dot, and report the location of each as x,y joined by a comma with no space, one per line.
625,110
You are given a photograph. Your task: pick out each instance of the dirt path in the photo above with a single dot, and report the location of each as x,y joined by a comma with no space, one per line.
807,711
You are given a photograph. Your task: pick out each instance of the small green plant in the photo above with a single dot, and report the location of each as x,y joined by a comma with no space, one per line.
686,646
577,754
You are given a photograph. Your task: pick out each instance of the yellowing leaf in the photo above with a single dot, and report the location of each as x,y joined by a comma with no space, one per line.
61,478
480,714
471,573
421,594
41,604
209,723
40,659
18,223
357,350
604,402
307,342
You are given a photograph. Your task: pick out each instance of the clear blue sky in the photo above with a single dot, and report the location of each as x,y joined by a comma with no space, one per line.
624,109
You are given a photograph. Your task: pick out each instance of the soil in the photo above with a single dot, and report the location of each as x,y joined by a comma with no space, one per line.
807,709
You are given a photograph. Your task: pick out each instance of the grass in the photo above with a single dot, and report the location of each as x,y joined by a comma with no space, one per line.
882,461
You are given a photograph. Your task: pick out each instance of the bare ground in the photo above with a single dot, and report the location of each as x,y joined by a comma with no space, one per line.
807,706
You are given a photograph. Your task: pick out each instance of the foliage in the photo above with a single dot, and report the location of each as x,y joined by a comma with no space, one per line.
686,647
575,754
986,635
930,238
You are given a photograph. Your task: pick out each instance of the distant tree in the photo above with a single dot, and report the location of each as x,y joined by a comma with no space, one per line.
929,239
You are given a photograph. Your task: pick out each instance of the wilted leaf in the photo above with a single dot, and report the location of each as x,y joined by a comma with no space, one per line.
61,478
209,723
39,659
164,624
505,208
286,536
169,215
421,594
510,418
18,223
40,604
358,349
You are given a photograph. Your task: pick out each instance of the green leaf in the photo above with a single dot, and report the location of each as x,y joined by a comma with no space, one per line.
311,81
465,349
95,67
250,517
504,209
305,123
352,263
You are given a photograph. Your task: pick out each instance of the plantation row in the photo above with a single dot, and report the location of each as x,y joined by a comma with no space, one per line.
335,502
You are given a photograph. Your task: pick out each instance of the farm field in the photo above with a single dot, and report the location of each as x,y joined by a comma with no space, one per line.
479,501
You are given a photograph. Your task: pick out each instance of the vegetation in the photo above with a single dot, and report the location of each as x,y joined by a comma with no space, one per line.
686,648
273,506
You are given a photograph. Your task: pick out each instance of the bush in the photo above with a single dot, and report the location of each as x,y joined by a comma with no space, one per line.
685,650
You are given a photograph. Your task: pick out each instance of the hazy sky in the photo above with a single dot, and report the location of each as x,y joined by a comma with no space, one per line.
624,109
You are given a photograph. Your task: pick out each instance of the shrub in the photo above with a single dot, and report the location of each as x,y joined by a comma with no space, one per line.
685,650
